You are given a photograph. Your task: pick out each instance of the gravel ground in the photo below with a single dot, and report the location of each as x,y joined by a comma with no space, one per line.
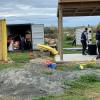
34,80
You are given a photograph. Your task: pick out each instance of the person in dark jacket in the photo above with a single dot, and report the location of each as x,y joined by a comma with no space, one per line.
98,42
74,42
84,38
22,43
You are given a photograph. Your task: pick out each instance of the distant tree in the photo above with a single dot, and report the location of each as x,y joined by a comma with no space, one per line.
50,32
53,30
46,30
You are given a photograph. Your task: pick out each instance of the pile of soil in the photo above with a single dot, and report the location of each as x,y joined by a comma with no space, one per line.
35,79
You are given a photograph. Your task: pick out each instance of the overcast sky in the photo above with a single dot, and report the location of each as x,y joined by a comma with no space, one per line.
38,12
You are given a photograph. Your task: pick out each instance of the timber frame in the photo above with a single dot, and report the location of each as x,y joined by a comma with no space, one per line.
69,8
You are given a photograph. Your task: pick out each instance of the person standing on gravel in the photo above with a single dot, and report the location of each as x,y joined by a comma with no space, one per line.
98,42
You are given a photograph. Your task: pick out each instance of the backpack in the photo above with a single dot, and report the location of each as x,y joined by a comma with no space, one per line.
83,36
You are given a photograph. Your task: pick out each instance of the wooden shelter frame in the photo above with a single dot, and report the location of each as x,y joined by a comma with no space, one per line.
69,8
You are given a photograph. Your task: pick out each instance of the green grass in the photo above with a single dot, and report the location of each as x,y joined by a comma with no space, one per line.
67,43
19,60
71,52
93,66
72,66
67,67
12,65
86,87
62,97
47,72
19,57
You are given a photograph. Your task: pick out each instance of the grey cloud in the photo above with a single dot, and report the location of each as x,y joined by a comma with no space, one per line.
27,7
28,10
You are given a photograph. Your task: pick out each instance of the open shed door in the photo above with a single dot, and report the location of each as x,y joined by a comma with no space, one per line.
3,40
37,35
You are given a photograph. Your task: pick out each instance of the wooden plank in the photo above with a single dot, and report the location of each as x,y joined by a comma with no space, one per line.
80,5
94,10
66,1
84,7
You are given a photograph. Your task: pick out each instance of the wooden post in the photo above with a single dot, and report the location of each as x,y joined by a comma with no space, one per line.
4,34
60,33
58,36
3,40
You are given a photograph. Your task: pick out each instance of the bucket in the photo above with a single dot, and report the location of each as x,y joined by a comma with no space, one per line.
52,66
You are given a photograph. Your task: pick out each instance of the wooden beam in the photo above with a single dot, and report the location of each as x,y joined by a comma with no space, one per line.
75,12
83,5
66,1
60,26
58,36
94,10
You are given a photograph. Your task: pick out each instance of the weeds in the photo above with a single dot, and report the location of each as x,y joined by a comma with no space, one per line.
83,82
94,66
89,78
47,72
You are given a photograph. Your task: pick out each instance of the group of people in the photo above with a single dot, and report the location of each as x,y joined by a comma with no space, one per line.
19,42
84,41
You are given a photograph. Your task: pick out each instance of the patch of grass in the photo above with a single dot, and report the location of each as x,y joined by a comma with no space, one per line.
62,97
94,66
83,81
89,78
67,43
67,67
86,87
47,72
19,56
13,65
19,60
71,52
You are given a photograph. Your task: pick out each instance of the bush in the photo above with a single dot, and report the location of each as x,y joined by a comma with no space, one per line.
69,38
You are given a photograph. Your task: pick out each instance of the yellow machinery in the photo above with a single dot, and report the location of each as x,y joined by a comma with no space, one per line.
3,40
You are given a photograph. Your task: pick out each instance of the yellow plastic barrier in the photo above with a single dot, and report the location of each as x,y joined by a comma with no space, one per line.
46,47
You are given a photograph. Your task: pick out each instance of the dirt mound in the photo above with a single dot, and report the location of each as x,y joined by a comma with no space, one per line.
35,79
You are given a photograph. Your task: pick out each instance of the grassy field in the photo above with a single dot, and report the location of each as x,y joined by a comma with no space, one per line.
87,87
20,59
71,52
67,43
